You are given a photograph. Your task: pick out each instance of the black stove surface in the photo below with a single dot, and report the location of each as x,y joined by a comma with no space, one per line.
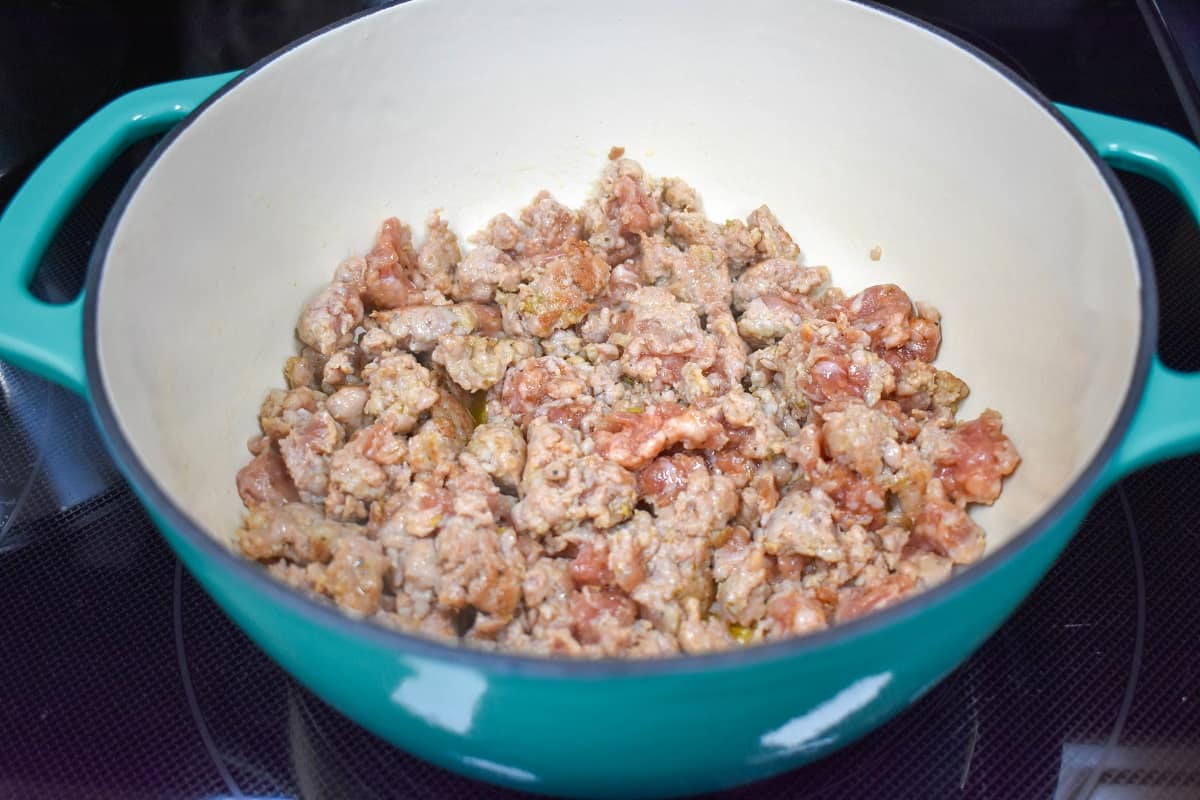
122,680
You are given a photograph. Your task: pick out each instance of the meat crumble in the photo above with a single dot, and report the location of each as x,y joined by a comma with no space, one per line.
619,430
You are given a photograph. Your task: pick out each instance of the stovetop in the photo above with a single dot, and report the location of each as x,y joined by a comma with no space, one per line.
122,680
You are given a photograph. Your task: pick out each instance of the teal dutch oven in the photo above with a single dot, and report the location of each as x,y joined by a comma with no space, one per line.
860,127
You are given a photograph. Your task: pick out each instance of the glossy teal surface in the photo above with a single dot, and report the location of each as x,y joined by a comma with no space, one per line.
45,338
1167,423
600,730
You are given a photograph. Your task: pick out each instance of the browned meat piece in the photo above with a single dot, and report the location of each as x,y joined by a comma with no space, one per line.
549,225
859,437
306,451
354,576
802,524
855,601
743,575
594,610
482,271
634,439
775,242
793,611
357,474
439,439
420,328
479,362
560,489
472,569
296,531
390,265
500,449
401,388
781,278
330,319
305,369
945,528
972,459
564,283
531,383
438,255
265,480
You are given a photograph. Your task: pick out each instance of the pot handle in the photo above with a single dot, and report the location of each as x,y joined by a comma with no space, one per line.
1167,420
48,338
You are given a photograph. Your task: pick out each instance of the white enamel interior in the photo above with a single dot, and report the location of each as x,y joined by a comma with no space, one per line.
857,128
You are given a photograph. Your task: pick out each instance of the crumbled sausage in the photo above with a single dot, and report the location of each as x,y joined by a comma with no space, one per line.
619,430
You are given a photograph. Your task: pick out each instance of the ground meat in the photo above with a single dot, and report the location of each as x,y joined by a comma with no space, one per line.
500,449
295,531
802,524
305,369
559,489
420,328
358,472
781,278
563,284
306,451
548,225
265,480
438,256
482,271
329,321
354,576
659,336
766,319
387,277
743,575
619,430
476,363
793,610
442,436
859,437
774,241
633,439
972,458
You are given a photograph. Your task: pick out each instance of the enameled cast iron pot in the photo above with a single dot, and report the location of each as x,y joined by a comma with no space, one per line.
860,127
